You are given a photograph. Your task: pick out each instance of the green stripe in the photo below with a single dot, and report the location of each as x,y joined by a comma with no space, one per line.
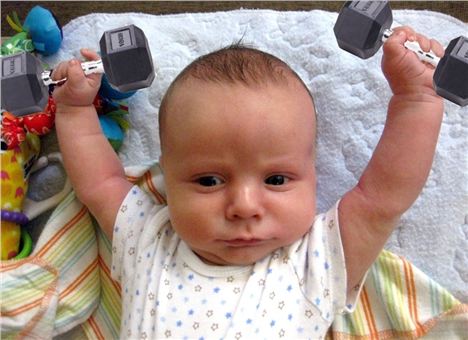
360,322
435,305
17,293
391,293
70,243
80,302
63,205
112,302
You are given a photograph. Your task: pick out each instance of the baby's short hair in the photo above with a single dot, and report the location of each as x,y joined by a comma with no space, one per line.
233,64
237,63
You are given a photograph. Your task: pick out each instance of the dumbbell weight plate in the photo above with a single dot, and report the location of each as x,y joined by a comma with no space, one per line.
127,58
360,26
23,91
451,74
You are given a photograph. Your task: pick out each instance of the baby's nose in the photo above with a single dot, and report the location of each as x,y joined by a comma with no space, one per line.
245,202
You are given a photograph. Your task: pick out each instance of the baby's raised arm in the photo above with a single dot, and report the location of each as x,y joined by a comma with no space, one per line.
402,159
92,165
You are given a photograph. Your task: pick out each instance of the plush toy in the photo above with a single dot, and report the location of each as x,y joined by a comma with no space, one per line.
112,117
44,29
20,148
14,129
17,43
40,32
16,166
107,91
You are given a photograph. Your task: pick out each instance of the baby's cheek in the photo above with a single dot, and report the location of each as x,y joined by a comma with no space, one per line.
187,220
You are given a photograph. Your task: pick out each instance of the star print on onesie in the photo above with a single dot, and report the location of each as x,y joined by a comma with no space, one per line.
168,292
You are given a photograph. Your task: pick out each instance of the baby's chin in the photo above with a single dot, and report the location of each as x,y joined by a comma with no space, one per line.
239,257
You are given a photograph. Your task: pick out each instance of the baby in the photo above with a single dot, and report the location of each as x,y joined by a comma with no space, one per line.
238,252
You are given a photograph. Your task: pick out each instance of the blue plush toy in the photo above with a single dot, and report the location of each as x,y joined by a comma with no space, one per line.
107,91
112,131
44,30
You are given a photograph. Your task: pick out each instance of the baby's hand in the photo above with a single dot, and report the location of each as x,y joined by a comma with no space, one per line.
406,74
78,89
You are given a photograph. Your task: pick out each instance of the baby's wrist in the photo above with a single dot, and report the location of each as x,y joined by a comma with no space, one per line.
418,97
73,109
416,94
416,102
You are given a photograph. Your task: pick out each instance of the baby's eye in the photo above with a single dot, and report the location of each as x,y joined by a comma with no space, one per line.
276,180
209,181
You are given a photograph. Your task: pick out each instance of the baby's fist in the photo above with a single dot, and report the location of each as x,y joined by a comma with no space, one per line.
402,68
78,89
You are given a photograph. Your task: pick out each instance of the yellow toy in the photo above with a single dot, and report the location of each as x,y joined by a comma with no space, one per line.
16,165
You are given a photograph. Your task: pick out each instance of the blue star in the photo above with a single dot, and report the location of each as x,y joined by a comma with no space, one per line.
216,290
228,315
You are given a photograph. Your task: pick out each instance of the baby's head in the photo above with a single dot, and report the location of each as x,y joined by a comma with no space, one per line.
237,130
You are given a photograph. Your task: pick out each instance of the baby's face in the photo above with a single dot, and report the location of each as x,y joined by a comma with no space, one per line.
239,168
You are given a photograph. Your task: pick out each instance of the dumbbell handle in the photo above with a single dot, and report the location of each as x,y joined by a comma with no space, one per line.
88,67
427,57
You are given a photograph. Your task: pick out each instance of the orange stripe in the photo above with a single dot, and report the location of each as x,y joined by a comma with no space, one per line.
95,328
368,313
4,266
67,291
132,179
79,279
152,188
106,271
412,303
50,243
62,231
50,289
419,327
23,308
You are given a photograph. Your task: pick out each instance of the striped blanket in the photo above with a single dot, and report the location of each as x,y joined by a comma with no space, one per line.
66,284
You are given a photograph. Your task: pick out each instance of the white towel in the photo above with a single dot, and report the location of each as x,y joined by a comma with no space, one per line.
351,98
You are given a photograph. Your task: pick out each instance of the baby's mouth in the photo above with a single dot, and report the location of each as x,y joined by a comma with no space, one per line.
242,242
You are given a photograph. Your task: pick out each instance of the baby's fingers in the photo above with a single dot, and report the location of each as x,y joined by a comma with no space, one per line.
92,55
437,48
69,70
428,45
89,54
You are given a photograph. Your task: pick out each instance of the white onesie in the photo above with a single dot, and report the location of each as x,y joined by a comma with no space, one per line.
168,292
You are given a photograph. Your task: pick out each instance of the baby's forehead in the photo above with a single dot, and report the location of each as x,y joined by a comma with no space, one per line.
288,81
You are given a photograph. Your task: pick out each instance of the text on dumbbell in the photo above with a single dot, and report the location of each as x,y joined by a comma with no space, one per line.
11,66
463,51
121,39
369,8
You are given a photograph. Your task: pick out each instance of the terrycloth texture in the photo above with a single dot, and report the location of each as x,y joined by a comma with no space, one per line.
351,98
